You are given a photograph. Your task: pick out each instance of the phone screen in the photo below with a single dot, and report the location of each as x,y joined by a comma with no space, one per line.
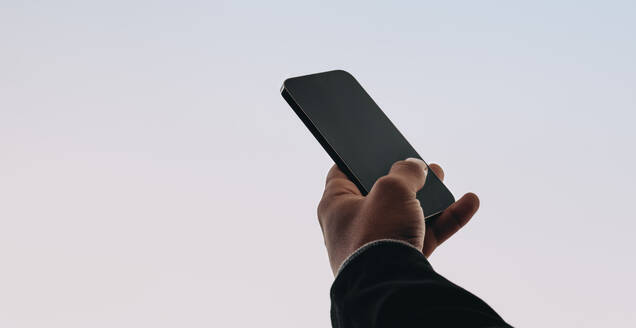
356,133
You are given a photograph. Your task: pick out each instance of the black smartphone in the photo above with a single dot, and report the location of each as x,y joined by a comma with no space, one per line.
355,132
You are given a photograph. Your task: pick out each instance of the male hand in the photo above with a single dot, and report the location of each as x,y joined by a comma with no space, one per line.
390,211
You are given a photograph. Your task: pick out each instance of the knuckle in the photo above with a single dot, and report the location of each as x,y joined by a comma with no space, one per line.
390,184
409,167
331,185
322,209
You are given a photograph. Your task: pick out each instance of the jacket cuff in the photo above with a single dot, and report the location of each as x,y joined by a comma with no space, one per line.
369,245
379,261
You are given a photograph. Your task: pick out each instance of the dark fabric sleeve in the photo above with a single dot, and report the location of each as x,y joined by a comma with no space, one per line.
390,284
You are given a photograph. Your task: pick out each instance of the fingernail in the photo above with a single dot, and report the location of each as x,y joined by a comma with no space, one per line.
420,163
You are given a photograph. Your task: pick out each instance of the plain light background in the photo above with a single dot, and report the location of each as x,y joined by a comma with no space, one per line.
151,175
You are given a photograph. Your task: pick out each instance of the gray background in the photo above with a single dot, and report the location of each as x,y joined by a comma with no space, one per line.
151,174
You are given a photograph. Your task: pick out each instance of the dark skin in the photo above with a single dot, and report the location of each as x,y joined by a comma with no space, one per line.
390,211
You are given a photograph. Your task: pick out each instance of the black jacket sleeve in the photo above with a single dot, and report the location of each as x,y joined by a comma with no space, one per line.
390,284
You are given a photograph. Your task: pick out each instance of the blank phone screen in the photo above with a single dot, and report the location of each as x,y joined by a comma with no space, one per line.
356,133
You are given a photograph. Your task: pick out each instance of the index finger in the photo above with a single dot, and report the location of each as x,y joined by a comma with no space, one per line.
338,184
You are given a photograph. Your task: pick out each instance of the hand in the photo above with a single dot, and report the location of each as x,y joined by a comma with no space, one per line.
390,211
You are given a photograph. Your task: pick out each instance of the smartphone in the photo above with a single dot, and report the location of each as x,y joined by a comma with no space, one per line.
355,132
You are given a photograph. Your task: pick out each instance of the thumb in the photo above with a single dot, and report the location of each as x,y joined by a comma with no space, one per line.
404,179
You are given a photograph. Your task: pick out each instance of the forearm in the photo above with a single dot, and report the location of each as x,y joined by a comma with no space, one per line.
391,284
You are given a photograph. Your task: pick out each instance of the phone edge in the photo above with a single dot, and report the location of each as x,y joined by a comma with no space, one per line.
321,140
